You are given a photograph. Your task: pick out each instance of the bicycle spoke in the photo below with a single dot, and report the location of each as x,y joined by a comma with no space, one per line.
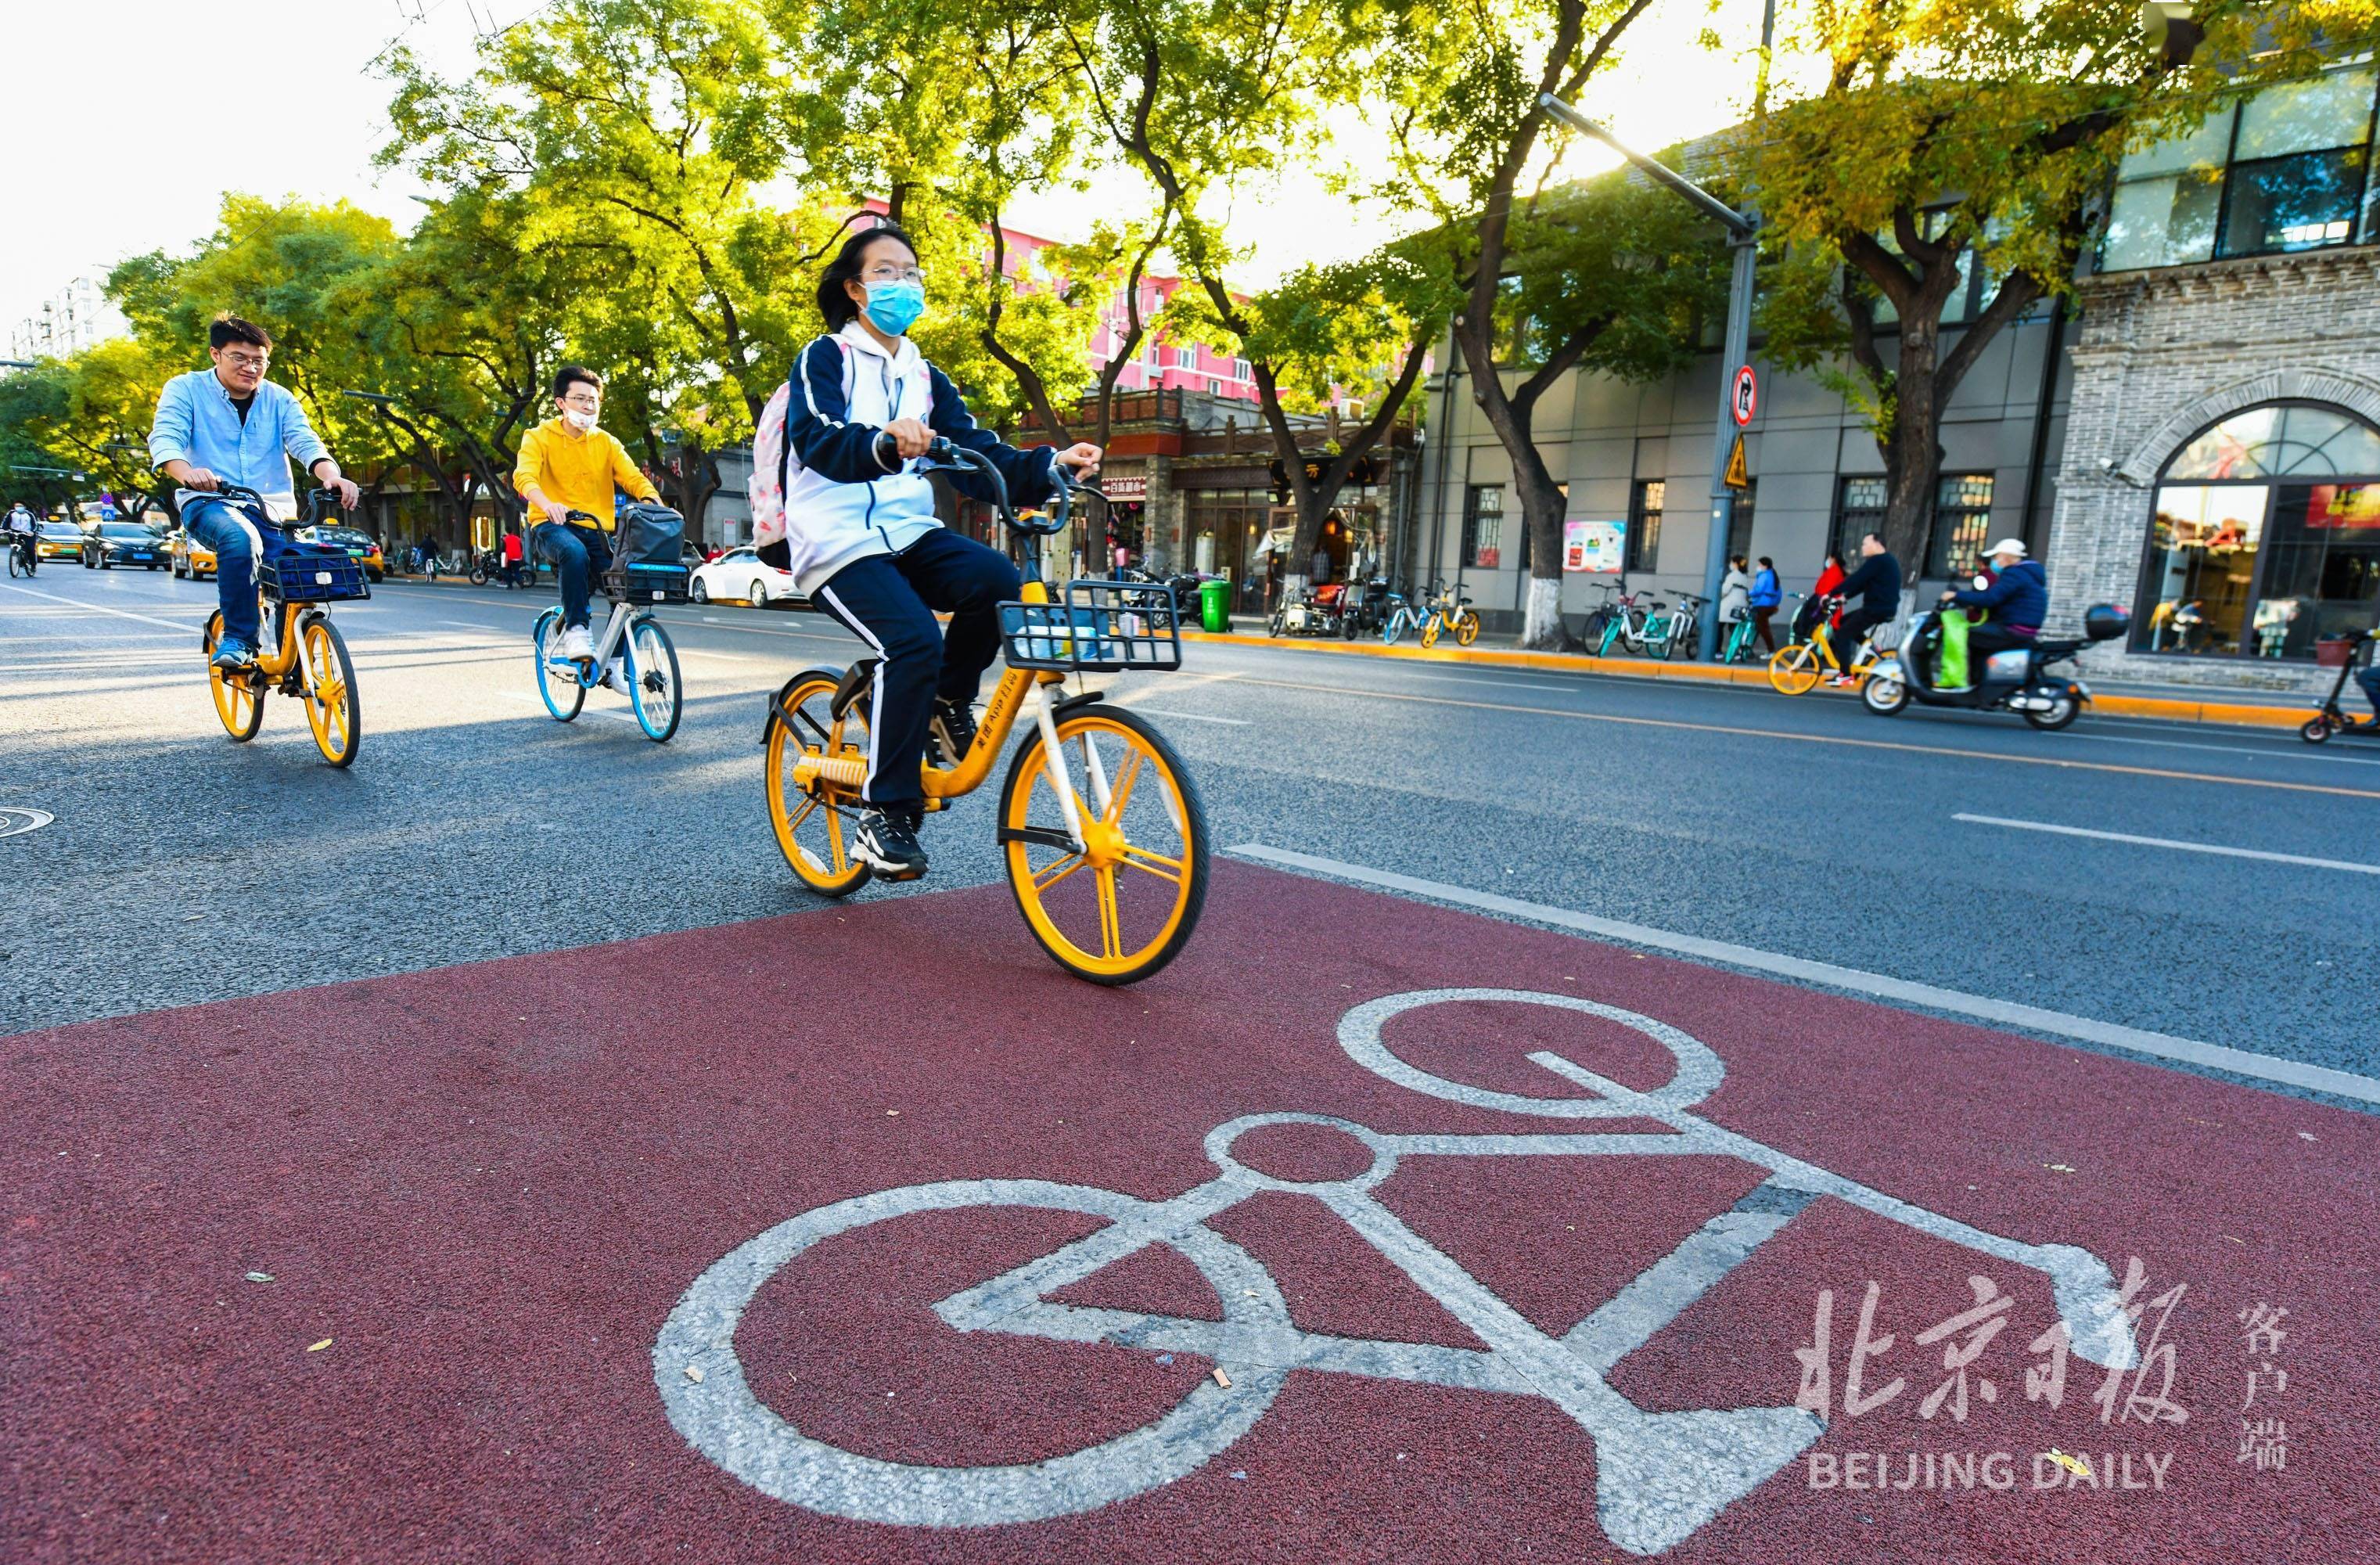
1126,775
839,861
1111,921
1156,864
1056,870
809,806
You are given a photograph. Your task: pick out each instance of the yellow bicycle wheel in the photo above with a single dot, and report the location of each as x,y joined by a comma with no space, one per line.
1794,670
1466,629
332,709
1429,631
240,701
810,821
1123,905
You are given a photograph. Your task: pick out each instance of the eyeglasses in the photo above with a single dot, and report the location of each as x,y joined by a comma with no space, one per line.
583,401
892,275
247,360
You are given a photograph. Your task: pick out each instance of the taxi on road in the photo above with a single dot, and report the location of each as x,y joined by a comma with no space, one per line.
360,546
189,558
58,540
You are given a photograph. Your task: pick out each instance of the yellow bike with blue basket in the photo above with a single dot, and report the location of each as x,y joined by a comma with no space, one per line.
1102,831
303,654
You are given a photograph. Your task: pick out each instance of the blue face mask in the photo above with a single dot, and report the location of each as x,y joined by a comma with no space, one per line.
895,305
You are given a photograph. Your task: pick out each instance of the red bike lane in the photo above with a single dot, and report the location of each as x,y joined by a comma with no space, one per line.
865,1234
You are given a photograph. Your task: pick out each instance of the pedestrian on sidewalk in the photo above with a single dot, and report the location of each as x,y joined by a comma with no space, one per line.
1735,590
1764,595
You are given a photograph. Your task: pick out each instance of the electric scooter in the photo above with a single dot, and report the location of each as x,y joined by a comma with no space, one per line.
2017,680
2331,717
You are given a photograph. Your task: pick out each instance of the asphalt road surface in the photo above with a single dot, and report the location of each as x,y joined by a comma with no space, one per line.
182,868
490,1152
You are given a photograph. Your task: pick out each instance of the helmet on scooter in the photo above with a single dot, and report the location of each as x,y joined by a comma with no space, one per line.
2105,622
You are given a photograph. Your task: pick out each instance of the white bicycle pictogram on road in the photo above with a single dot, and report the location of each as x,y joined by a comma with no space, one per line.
1660,1476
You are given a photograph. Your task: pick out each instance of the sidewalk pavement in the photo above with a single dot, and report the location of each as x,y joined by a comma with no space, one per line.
2175,703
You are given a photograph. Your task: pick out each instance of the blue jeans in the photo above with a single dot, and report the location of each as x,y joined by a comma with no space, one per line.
2368,676
577,553
236,538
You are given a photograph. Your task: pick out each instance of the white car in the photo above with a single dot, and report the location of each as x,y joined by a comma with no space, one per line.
741,573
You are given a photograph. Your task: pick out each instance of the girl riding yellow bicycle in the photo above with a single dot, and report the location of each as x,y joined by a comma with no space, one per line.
863,408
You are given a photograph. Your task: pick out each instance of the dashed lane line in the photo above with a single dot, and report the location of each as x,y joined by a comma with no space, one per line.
2171,842
1877,986
1955,751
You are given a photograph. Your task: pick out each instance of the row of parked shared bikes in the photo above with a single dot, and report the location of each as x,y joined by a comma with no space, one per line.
1102,831
1890,671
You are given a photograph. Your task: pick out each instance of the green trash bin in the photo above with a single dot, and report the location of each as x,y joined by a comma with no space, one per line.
1215,605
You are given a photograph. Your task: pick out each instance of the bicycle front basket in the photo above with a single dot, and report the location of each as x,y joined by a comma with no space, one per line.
641,581
1101,627
311,574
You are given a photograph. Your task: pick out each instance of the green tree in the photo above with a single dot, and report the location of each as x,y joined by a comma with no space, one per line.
638,131
1463,86
1207,96
292,267
1948,135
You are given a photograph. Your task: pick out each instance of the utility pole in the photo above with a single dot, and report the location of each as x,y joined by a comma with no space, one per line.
1743,237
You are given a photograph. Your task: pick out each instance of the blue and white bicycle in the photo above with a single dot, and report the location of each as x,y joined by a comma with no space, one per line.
632,638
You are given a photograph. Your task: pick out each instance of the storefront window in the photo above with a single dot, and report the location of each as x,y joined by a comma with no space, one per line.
2264,568
2202,546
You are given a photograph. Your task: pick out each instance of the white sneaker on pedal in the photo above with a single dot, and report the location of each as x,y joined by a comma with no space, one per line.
576,641
615,676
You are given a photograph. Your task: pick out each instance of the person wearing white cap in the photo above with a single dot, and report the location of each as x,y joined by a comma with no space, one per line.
2017,600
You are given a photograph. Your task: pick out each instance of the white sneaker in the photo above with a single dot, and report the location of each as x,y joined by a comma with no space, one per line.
578,641
615,676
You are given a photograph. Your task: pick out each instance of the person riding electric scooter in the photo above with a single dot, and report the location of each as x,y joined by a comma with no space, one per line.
2340,652
2014,679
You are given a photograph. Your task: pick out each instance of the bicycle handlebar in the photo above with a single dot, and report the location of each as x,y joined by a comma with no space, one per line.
942,456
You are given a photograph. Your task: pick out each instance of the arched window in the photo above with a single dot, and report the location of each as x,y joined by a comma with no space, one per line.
2265,535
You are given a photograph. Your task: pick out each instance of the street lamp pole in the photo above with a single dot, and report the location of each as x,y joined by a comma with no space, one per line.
1743,237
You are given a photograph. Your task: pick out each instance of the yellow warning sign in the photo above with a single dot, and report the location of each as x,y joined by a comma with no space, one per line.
1739,475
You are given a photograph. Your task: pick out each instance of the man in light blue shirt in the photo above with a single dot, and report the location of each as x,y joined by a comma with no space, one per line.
230,425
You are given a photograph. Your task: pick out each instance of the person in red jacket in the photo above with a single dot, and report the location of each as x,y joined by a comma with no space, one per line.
1805,618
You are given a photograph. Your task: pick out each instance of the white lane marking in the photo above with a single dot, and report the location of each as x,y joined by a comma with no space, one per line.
2300,750
2033,1018
95,609
1192,717
714,656
1496,683
2169,843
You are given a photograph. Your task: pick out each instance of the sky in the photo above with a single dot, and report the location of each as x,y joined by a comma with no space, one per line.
123,100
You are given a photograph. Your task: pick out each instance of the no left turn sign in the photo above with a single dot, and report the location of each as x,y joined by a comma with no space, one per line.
1744,397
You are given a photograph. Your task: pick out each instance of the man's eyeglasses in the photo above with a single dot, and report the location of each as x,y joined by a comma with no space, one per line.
247,360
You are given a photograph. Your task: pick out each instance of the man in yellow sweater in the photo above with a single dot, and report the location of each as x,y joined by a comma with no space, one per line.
566,464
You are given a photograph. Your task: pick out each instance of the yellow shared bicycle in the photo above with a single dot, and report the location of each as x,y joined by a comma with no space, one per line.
1101,828
1450,613
303,654
1796,669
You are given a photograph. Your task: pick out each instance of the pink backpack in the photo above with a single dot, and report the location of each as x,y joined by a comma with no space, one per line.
774,463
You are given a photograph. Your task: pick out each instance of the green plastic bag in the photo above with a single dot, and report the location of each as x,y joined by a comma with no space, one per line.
1950,669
